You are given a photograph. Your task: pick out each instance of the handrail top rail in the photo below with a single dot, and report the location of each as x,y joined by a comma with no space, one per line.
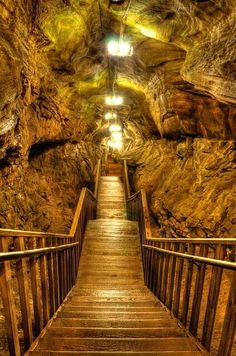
7,256
194,240
134,195
25,233
205,260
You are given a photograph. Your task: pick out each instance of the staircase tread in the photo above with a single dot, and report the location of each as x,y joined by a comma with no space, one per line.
118,353
115,332
114,344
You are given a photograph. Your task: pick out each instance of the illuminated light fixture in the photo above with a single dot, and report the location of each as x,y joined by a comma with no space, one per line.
110,115
115,144
117,1
115,128
116,135
114,100
119,47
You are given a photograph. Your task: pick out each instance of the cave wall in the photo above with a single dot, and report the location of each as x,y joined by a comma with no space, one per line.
46,149
190,185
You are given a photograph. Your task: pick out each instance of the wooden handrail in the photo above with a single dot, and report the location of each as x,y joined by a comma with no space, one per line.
195,240
8,256
98,174
175,268
205,260
56,256
126,180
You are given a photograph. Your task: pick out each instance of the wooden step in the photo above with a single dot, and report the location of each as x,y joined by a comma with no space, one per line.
108,309
94,273
146,298
113,344
67,313
113,304
113,323
83,332
108,293
107,353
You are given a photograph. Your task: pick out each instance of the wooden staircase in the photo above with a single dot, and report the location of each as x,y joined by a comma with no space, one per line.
110,311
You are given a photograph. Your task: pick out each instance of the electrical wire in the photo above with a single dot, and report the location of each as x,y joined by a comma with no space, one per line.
122,27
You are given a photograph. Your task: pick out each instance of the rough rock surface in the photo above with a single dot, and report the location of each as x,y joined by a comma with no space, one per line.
179,89
191,185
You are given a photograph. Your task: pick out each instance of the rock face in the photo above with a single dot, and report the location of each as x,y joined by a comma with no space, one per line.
179,113
191,185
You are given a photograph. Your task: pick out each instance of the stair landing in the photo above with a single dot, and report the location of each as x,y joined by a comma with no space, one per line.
110,311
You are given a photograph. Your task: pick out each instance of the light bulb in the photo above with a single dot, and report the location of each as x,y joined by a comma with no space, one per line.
119,47
114,100
115,128
110,115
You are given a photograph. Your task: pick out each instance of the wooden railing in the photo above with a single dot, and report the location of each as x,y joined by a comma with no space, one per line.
194,278
38,273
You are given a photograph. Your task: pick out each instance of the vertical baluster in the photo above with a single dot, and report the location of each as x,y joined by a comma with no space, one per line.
172,278
227,336
165,273
67,269
73,263
154,280
160,272
197,298
61,277
8,300
187,290
56,275
36,295
69,266
63,257
151,269
144,251
51,280
24,292
214,290
178,282
44,283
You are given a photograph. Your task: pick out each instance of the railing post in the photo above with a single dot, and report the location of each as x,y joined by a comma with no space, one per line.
9,302
186,295
34,277
126,180
227,336
44,284
213,296
98,173
179,272
197,298
24,292
146,217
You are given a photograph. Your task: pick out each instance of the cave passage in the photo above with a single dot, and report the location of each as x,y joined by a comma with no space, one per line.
147,88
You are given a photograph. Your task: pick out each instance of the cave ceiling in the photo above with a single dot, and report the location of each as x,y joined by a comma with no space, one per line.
179,82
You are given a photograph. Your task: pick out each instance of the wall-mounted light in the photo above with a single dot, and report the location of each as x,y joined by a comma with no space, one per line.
119,47
114,100
110,115
115,128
